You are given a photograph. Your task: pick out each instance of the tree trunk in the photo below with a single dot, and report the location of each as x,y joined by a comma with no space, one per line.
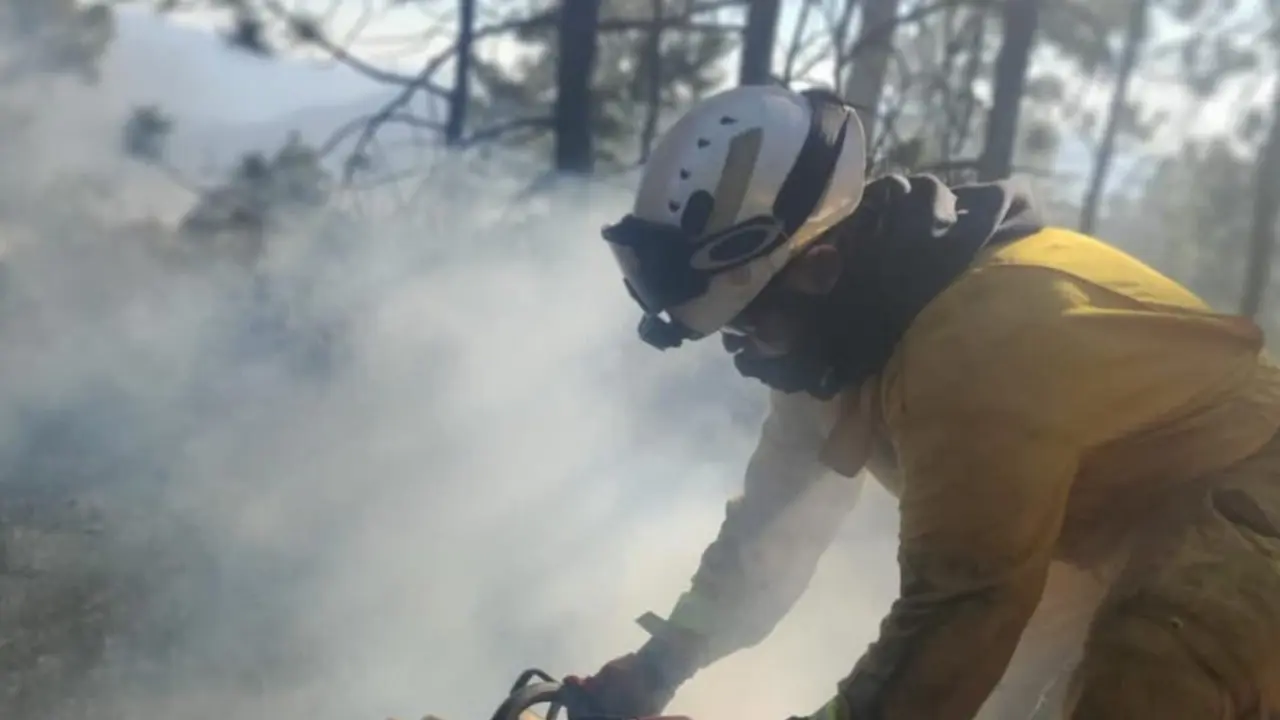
757,43
461,93
865,84
1106,149
653,82
1266,208
578,23
968,99
1020,19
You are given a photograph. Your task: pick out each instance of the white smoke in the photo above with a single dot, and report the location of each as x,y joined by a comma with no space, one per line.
492,473
489,472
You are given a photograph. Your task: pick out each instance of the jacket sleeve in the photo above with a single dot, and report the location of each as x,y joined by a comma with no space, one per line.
980,517
986,407
772,536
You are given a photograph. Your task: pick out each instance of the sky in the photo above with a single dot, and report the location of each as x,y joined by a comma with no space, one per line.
493,473
204,80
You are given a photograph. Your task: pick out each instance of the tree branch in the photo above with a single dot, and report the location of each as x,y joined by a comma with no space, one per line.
394,110
548,19
883,30
365,121
308,31
493,132
683,23
793,50
653,82
976,163
839,28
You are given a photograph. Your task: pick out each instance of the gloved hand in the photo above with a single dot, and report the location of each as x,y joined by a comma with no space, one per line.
627,686
640,684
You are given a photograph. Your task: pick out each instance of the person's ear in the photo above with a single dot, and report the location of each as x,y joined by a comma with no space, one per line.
815,272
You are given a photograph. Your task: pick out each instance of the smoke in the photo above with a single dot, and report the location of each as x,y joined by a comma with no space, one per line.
404,461
389,473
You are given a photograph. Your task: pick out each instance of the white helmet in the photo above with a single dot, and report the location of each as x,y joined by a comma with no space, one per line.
738,187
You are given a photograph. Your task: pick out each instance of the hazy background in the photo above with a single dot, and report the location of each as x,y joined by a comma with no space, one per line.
305,429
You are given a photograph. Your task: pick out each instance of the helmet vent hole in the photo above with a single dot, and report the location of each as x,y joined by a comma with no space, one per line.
697,212
726,120
703,142
684,174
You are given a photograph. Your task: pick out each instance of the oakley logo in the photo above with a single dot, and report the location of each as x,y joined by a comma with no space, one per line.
738,245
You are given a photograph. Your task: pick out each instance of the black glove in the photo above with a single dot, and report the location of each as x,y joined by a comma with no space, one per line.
639,684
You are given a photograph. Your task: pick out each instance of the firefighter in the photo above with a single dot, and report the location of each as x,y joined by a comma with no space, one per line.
1030,395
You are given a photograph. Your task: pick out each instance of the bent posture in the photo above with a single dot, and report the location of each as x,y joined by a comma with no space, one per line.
1031,395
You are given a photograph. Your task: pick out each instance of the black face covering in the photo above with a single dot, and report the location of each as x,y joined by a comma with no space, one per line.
812,363
908,240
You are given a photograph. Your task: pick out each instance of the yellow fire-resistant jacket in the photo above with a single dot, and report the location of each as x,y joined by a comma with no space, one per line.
1037,408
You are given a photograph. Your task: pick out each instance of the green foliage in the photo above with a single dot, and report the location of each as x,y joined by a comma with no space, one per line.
931,114
1207,61
1080,34
145,133
1045,88
1252,126
247,29
1196,206
261,194
58,36
1040,138
297,176
249,34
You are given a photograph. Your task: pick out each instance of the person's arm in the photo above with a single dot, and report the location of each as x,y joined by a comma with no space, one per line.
981,512
759,564
772,536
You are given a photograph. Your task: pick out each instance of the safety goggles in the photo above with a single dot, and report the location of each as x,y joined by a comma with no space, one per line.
664,267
